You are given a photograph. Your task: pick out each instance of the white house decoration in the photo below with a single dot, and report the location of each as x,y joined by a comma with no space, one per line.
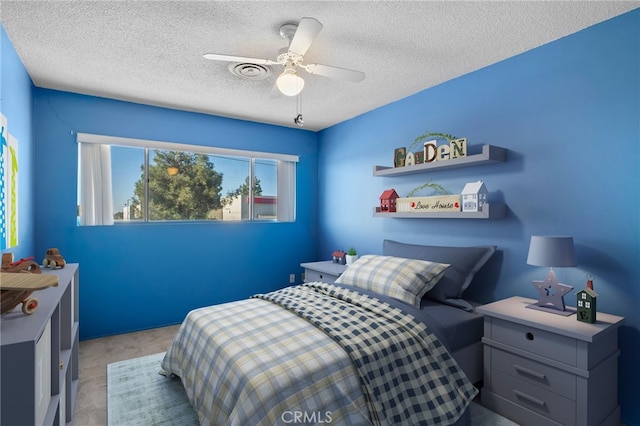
474,196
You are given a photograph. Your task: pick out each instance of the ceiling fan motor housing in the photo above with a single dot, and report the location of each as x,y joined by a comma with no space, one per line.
285,56
287,31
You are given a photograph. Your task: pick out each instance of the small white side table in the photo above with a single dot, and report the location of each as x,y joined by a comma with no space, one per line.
326,271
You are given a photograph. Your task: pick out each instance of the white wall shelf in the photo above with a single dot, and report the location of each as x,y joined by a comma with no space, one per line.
490,155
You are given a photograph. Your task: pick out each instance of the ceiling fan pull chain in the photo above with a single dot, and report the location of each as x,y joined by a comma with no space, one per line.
298,120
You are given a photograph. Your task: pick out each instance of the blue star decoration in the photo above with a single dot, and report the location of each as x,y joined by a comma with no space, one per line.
551,292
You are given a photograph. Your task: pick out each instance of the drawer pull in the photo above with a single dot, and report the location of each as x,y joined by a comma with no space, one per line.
529,398
529,336
527,372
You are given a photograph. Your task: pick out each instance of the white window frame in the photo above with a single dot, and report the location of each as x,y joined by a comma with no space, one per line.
95,182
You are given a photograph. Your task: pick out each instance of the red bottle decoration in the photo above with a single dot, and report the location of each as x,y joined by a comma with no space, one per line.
590,282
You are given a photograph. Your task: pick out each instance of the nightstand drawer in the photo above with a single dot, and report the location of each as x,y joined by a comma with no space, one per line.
534,340
543,376
310,276
325,271
543,402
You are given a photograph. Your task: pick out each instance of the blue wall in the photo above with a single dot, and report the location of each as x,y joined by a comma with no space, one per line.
140,276
16,106
569,114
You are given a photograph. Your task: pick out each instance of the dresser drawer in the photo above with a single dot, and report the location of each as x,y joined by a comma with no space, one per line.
534,398
543,376
310,276
534,340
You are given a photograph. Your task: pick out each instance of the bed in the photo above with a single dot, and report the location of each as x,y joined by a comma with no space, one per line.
392,341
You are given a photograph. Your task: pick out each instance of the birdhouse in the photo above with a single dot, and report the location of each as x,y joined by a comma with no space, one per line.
474,196
339,257
388,200
586,305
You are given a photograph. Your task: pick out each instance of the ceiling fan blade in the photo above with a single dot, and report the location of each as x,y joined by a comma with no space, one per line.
335,72
307,31
241,59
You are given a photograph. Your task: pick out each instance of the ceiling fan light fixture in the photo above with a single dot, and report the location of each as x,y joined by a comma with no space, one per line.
290,83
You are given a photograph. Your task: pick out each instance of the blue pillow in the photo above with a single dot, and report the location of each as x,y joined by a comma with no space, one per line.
465,263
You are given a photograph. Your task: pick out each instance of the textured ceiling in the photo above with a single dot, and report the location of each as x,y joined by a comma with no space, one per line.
151,51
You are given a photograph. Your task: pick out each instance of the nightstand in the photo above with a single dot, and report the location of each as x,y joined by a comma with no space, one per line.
546,369
326,271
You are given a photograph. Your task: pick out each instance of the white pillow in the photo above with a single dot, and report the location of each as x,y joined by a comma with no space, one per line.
403,279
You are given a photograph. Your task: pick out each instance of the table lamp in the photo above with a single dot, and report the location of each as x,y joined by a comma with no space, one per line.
551,251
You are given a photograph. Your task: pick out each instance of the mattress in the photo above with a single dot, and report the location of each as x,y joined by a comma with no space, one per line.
252,362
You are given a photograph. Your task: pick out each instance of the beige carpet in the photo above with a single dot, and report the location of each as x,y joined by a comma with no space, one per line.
95,354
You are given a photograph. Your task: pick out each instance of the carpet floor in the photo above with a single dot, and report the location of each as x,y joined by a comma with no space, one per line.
137,395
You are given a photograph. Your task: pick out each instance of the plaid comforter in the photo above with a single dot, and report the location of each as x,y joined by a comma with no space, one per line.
407,375
355,360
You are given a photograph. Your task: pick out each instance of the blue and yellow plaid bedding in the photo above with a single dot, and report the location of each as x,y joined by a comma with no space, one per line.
252,362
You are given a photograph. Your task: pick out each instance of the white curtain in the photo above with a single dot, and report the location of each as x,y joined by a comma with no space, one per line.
286,205
96,201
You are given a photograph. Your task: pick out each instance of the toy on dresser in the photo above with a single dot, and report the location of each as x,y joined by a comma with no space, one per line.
586,303
53,259
23,265
339,257
18,280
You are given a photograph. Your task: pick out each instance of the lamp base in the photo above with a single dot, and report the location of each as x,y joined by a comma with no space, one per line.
552,309
551,295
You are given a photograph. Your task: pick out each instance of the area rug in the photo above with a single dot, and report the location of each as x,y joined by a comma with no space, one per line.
137,395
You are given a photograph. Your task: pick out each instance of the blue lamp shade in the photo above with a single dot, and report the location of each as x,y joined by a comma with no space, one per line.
551,251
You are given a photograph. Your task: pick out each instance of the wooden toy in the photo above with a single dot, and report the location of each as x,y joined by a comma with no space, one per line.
53,259
18,280
22,265
16,288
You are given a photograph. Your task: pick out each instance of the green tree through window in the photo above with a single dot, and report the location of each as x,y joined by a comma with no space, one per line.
244,188
182,186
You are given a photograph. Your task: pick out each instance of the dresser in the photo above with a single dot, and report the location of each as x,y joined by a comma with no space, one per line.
546,369
326,271
39,353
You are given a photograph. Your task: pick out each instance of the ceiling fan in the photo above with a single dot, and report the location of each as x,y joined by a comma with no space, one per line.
300,37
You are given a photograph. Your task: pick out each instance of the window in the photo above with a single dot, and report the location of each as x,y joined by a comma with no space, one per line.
131,180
